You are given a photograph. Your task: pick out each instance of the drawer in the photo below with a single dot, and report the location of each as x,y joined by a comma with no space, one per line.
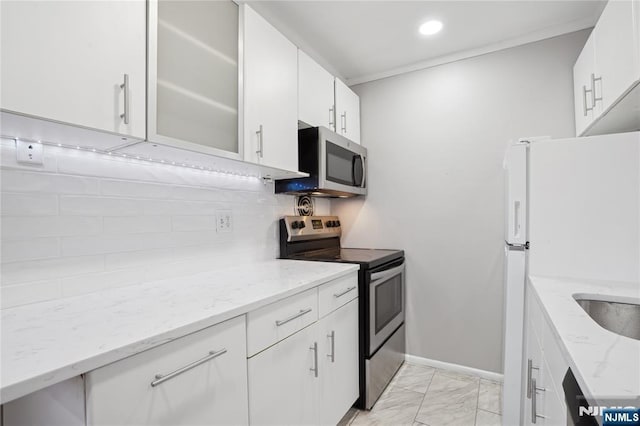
337,293
274,322
212,391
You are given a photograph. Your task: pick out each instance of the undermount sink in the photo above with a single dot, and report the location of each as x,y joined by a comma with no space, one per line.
620,318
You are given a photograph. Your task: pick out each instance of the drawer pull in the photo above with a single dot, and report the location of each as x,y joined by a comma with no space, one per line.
160,378
336,295
292,317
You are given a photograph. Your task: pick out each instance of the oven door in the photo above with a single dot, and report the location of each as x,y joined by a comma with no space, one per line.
386,304
343,164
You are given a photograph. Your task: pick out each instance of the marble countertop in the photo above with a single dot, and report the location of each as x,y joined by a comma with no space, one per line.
604,363
46,343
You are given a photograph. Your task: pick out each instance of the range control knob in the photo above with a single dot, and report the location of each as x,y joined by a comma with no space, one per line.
337,223
329,224
294,225
301,224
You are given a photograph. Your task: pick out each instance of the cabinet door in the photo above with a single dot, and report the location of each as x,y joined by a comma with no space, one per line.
583,96
283,386
193,75
347,112
339,385
212,391
615,53
270,95
67,61
315,93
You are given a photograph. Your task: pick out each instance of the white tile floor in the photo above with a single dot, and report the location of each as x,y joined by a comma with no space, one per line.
420,395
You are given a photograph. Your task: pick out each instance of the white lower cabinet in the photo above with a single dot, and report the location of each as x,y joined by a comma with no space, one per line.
545,369
309,378
195,380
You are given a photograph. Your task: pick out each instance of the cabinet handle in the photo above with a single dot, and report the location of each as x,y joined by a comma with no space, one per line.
530,367
161,378
343,122
260,134
292,317
332,336
535,416
314,348
336,295
125,88
594,98
585,109
332,120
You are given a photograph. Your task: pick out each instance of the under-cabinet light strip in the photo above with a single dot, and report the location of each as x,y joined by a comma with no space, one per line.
138,158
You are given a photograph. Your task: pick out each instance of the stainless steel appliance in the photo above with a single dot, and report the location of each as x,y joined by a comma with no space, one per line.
381,286
337,167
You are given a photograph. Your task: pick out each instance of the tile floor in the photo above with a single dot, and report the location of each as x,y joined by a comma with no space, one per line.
420,395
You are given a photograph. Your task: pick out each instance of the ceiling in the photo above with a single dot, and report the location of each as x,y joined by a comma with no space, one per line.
367,40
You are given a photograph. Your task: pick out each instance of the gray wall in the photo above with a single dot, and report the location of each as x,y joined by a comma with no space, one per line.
436,140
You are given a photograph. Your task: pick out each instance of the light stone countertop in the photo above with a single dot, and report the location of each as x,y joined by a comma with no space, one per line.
604,363
46,343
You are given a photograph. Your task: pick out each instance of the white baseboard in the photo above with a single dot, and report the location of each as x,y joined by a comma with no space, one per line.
489,375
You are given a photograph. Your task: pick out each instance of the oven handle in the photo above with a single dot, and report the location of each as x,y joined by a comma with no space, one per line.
386,274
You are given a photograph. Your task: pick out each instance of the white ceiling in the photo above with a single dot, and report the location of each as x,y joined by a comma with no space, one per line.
366,40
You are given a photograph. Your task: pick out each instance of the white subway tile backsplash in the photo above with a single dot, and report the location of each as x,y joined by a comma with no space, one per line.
44,269
100,206
136,224
23,181
30,249
28,227
84,222
16,204
22,294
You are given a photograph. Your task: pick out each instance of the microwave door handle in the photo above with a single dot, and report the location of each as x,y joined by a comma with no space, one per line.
364,172
386,274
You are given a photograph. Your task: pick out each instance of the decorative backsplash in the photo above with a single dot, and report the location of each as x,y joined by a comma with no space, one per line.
83,222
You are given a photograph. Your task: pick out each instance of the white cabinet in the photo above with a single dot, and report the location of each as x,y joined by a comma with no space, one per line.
347,112
338,346
310,377
193,75
76,62
545,369
270,95
198,379
316,105
607,73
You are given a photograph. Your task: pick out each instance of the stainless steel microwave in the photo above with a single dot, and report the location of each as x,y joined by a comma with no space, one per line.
337,167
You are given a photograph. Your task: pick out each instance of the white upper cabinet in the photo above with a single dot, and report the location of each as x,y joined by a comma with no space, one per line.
270,95
76,62
347,111
607,73
193,75
315,93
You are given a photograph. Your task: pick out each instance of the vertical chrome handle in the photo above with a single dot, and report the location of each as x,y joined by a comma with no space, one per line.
530,367
343,122
595,98
125,88
585,109
332,336
260,134
314,348
332,119
534,402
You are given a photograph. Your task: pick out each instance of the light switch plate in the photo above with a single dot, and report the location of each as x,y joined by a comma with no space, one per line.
29,152
224,221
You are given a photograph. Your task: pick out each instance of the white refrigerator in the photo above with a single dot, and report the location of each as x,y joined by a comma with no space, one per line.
515,263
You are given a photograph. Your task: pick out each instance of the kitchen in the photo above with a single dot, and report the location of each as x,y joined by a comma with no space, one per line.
154,165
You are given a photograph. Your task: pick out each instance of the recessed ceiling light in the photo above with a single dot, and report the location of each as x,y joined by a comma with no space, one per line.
430,27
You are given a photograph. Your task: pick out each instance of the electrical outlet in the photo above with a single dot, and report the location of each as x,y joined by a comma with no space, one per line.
29,152
224,221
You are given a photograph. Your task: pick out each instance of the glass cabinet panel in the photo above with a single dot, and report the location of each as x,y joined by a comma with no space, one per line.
196,73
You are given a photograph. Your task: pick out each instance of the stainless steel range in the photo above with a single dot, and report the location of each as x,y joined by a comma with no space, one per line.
381,295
